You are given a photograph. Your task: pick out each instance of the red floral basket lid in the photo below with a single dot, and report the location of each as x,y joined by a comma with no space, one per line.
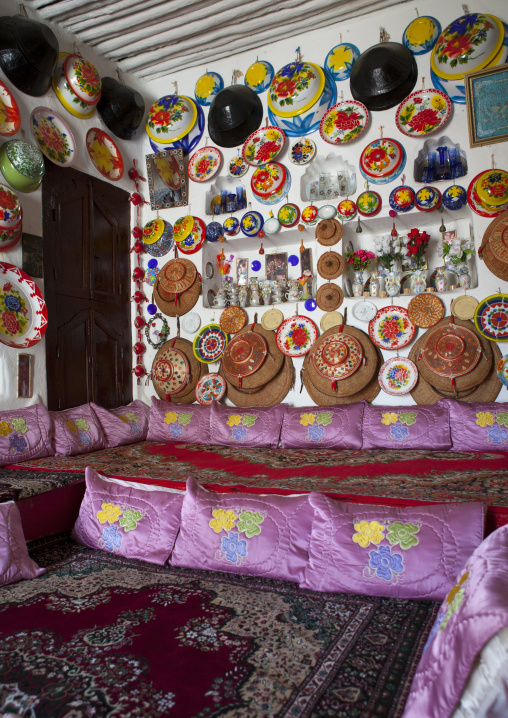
245,354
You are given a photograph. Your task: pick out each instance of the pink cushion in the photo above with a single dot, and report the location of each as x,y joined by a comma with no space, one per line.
253,535
412,552
183,423
25,434
334,427
407,427
76,431
257,426
15,563
130,519
124,425
478,426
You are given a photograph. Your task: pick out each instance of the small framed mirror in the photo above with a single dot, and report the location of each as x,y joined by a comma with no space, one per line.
167,180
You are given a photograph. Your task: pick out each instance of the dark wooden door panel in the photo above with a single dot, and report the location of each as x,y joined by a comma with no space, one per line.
108,354
72,378
70,214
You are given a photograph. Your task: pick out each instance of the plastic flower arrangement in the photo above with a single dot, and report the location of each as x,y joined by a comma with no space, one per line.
387,251
360,259
456,250
416,244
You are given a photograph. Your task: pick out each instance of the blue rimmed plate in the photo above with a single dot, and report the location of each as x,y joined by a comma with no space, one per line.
491,317
421,34
251,223
190,141
207,86
341,59
259,76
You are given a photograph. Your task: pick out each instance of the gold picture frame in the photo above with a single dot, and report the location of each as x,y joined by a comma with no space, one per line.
486,101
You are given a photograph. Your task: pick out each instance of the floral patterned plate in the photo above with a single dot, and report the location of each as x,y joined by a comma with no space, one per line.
263,145
211,387
402,199
83,79
237,167
344,122
23,313
391,328
183,227
295,88
104,154
268,180
251,223
423,112
341,59
346,209
289,214
171,118
210,343
296,335
492,188
491,317
302,151
427,199
502,370
398,376
53,136
259,76
204,164
207,86
195,240
476,204
454,197
381,158
10,118
369,203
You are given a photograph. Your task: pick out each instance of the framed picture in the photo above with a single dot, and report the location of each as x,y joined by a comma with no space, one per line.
276,266
31,261
25,376
306,260
167,179
449,235
242,271
487,100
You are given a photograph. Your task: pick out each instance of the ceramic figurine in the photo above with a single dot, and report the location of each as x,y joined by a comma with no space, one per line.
375,285
392,284
440,280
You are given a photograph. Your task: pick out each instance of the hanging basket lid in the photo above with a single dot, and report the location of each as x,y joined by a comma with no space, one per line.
244,355
494,247
196,370
329,297
269,368
177,304
330,265
272,393
170,370
232,319
425,310
176,276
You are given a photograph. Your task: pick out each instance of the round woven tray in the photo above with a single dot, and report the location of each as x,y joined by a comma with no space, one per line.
461,383
184,303
496,237
177,275
329,297
197,370
271,394
330,265
268,369
328,232
357,381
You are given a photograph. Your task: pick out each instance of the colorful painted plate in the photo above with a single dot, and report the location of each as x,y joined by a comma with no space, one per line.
171,118
464,307
476,204
296,335
171,373
295,89
402,199
502,370
381,158
209,344
104,153
259,76
196,238
427,199
237,167
157,237
211,387
310,215
232,319
454,197
188,143
302,151
391,328
338,357
206,87
369,203
245,354
10,118
492,188
204,164
425,310
421,34
423,112
251,223
23,315
268,180
398,376
451,351
183,227
263,145
491,317
341,59
344,122
289,215
83,79
346,210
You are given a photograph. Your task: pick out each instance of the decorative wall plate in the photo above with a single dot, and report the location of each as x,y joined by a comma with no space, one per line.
268,180
204,164
302,151
502,370
296,335
237,167
427,199
454,197
177,275
491,317
310,215
421,34
425,310
369,203
381,158
158,237
66,95
232,319
451,351
391,328
187,143
344,122
423,112
364,310
464,307
272,319
105,155
259,76
331,319
82,79
23,313
211,387
171,373
196,238
402,199
183,227
209,344
295,88
289,215
10,118
170,118
10,209
398,376
338,357
251,223
492,188
477,205
341,59
207,86
245,354
390,177
346,210
263,145
191,322
327,211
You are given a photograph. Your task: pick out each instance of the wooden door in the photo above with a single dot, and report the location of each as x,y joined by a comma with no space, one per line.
86,236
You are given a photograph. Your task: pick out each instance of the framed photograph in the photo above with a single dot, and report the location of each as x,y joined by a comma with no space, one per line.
276,266
25,376
167,179
449,235
306,260
242,271
31,261
487,100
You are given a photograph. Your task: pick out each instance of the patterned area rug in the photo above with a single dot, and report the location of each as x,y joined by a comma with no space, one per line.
100,635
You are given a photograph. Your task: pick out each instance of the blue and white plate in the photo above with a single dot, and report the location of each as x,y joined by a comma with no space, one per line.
341,59
454,197
259,76
251,223
421,34
190,141
207,86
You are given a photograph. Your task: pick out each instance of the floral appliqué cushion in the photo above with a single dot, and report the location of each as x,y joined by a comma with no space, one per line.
413,552
337,427
478,426
25,434
475,609
257,426
407,427
130,519
186,424
15,563
76,431
252,535
125,425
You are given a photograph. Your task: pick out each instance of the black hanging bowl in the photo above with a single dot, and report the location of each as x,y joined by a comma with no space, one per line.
383,76
121,107
235,113
28,54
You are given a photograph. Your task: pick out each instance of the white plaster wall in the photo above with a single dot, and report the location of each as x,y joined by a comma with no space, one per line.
314,45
